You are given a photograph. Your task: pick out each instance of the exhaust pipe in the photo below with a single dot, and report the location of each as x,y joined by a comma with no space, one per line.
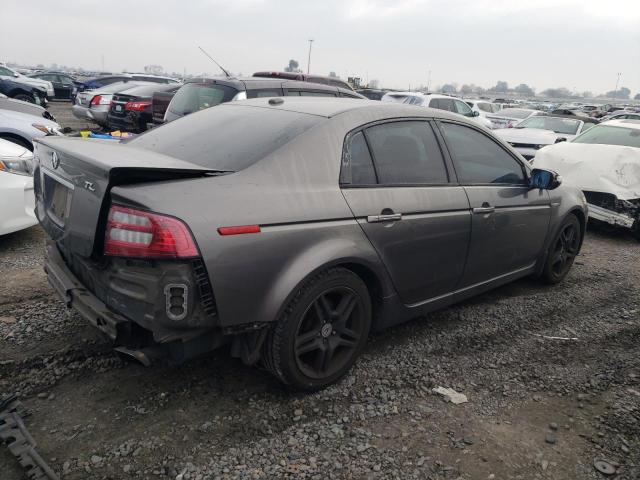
146,356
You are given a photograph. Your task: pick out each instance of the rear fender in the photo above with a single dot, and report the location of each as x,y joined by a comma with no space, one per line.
332,253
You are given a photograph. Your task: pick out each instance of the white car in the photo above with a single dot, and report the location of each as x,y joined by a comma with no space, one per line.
396,97
621,116
22,128
538,131
7,73
445,102
16,188
604,162
508,117
483,107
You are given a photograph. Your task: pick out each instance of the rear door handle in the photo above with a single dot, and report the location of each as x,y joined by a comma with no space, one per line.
485,208
390,217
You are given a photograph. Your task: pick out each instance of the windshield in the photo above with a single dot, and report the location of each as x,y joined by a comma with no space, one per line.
565,126
609,135
231,137
194,97
515,112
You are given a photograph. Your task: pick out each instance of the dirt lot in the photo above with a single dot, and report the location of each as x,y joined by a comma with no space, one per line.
538,407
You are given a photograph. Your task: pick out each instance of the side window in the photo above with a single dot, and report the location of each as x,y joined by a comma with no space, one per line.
435,103
276,92
65,80
447,104
6,71
462,108
292,93
406,153
586,126
357,167
310,93
480,160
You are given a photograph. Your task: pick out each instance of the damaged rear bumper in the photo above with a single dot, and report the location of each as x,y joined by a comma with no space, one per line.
138,341
75,296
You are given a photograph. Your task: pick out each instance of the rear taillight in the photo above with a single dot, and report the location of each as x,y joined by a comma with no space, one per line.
137,106
135,233
96,100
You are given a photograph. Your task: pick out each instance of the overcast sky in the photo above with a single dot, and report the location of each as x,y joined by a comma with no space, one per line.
579,44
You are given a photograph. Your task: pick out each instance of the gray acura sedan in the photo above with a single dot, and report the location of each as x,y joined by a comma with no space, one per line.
291,228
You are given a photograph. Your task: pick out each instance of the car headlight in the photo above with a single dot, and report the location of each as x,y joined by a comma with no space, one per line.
17,166
45,129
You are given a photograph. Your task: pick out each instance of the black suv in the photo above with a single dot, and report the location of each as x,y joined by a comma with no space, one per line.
198,94
24,92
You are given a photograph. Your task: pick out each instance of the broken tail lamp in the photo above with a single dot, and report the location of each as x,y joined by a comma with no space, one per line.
137,233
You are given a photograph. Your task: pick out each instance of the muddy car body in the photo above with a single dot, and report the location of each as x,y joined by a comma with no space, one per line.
292,235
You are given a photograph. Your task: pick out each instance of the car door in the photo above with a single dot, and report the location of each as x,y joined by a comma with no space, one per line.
398,186
509,219
58,91
65,87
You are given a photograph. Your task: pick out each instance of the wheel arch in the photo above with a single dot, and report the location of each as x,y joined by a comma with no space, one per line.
22,141
367,267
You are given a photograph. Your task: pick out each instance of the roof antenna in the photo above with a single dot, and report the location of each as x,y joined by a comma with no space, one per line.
211,58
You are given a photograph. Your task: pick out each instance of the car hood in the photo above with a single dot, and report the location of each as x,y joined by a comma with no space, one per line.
17,119
534,136
597,168
35,82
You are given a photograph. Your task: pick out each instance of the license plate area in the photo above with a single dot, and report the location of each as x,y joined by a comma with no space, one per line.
118,108
57,198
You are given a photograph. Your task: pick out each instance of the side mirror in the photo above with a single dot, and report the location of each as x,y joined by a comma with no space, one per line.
16,75
475,114
544,179
561,139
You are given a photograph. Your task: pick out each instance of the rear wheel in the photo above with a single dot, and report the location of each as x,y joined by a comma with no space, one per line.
563,251
322,331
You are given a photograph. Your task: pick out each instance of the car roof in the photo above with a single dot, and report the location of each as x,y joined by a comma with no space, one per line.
571,117
627,123
331,107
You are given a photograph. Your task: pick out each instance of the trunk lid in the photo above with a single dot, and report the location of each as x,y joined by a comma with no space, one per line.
73,177
159,104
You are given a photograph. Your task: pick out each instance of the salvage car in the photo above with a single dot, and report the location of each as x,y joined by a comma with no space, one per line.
508,117
64,85
536,132
604,162
94,104
292,227
203,93
445,102
23,128
7,73
12,104
23,92
16,188
131,109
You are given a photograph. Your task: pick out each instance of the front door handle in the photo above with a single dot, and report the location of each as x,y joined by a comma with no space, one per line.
485,208
389,217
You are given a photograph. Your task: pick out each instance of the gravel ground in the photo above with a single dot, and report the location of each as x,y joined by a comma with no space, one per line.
538,407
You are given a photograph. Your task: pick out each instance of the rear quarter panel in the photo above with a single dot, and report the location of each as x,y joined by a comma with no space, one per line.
295,196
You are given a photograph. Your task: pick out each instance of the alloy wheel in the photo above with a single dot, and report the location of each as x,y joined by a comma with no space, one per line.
330,332
565,249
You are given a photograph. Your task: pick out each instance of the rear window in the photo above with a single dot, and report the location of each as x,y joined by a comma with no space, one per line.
147,90
230,137
193,97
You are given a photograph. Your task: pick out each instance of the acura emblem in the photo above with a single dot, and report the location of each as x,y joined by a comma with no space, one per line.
55,161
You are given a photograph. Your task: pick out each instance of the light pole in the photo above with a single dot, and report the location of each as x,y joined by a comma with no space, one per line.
309,59
615,92
429,82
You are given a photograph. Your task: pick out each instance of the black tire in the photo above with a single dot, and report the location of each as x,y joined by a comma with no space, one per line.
563,250
321,332
24,97
18,141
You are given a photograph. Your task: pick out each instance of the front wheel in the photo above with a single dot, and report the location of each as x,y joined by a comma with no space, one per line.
322,331
24,97
563,250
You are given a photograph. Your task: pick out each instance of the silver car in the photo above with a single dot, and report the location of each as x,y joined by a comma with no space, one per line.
94,104
291,228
